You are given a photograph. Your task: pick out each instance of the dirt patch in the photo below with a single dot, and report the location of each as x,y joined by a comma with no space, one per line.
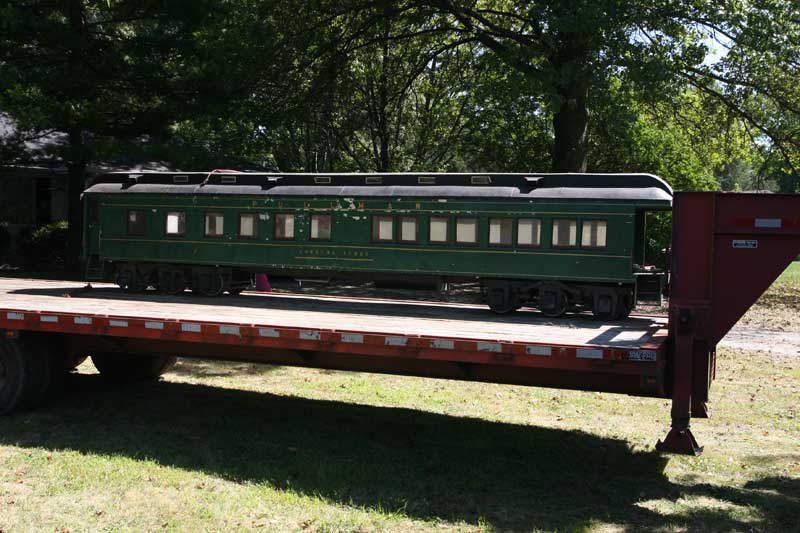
778,309
751,339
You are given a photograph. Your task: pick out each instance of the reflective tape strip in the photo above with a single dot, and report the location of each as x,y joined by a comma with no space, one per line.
442,344
586,353
395,341
269,332
310,335
229,330
545,351
191,328
84,320
118,323
489,347
769,223
154,325
48,318
15,316
353,338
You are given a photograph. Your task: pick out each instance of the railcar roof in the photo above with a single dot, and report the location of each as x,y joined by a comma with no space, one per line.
624,187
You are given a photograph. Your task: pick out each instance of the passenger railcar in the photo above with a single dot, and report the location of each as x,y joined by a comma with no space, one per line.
556,241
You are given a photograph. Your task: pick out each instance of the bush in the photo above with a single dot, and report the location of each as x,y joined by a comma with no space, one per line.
46,245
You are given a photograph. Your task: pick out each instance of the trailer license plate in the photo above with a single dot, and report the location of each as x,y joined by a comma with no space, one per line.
642,355
745,243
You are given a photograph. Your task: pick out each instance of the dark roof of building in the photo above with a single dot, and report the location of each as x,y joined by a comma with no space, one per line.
630,187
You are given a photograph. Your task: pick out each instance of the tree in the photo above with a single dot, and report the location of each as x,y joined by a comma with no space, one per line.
96,71
570,51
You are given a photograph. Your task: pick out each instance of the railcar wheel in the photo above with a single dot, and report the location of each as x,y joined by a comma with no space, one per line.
605,306
209,284
130,280
171,281
553,301
624,308
501,297
503,309
126,368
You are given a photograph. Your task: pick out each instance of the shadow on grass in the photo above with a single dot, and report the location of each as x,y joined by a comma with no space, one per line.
424,465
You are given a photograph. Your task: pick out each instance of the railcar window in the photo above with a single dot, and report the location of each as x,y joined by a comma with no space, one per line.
500,231
438,230
284,226
409,229
382,228
529,232
320,227
594,233
248,225
137,223
565,233
214,224
466,231
176,223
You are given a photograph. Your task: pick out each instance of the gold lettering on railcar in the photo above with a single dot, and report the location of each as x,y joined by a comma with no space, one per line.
333,253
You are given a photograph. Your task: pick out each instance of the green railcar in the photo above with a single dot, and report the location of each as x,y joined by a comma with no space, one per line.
557,241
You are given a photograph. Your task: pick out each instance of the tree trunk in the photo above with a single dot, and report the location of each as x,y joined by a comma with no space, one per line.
75,185
76,160
383,105
570,124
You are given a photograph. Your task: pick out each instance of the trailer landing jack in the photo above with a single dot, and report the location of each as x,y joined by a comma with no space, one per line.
680,440
727,249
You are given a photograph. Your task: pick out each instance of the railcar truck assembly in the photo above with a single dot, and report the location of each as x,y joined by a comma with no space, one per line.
726,250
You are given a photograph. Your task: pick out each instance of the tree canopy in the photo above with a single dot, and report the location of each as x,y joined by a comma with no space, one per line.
702,93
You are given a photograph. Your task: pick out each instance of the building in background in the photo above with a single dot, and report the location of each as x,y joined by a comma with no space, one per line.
33,176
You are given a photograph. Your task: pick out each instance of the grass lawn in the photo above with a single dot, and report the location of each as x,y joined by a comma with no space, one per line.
239,447
791,276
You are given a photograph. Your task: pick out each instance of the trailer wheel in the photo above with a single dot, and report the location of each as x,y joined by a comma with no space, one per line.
123,367
74,361
25,375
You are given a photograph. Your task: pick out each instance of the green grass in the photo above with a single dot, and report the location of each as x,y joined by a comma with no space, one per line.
238,447
790,276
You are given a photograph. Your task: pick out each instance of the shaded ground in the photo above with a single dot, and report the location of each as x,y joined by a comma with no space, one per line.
230,446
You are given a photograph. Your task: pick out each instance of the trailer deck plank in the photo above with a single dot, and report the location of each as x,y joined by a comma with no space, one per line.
408,318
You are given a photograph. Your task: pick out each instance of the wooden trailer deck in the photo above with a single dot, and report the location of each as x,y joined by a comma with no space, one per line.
326,313
447,340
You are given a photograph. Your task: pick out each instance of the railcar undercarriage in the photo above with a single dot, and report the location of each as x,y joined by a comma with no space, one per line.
556,298
553,298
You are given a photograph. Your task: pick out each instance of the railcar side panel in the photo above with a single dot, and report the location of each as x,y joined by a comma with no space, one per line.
351,247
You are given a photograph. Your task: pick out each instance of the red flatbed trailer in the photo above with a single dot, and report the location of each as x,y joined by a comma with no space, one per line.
759,234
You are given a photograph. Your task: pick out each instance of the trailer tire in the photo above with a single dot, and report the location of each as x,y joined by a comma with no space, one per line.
125,368
24,375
